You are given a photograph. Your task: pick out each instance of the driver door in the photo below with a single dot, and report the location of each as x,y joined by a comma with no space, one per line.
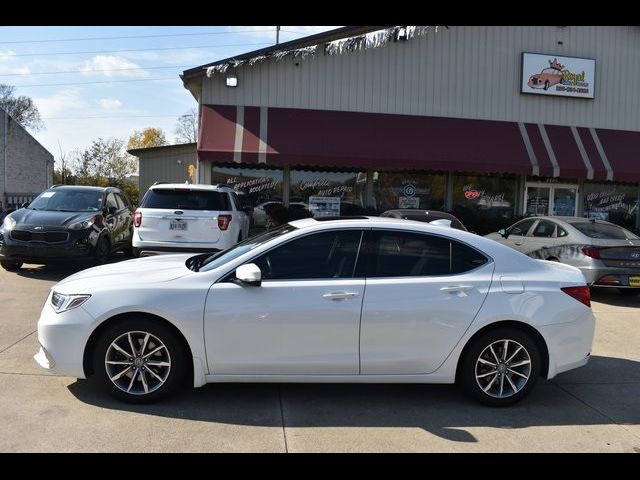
304,319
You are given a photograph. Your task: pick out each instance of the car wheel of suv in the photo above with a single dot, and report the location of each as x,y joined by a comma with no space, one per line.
139,361
136,252
627,292
103,250
500,367
11,266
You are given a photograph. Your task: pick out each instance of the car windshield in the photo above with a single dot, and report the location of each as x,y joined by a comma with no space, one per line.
604,230
68,201
206,262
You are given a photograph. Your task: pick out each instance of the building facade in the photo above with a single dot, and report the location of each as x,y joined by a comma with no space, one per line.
168,163
488,122
26,167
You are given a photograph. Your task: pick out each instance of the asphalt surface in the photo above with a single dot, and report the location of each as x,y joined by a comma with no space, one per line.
592,409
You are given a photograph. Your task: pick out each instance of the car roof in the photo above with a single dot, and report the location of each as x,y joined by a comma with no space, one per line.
569,219
83,187
190,186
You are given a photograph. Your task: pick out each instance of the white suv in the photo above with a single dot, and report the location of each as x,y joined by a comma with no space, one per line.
175,217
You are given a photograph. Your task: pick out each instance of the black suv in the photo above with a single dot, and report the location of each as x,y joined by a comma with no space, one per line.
67,222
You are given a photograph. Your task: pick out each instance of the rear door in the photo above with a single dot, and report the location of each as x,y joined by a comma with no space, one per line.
182,215
540,239
422,293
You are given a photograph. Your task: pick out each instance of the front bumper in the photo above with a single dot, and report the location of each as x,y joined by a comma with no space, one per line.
80,245
62,338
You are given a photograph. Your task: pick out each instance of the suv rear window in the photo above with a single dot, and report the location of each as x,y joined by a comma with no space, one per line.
186,199
603,230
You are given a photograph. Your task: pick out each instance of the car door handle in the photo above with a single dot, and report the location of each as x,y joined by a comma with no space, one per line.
456,288
518,243
340,295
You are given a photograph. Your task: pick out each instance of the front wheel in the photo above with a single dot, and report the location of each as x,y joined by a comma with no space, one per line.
103,250
139,361
11,266
500,367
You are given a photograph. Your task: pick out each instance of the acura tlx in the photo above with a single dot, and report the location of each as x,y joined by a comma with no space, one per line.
363,300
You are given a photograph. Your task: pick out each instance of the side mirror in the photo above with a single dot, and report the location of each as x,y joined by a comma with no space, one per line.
112,210
24,205
503,232
249,274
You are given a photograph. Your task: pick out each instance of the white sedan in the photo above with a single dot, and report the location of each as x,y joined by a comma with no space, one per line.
375,300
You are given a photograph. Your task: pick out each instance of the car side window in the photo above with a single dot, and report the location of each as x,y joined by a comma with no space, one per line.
407,254
561,232
322,255
544,229
521,228
121,203
111,202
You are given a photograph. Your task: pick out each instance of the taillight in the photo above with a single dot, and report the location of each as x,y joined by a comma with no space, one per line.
137,218
593,252
582,294
224,221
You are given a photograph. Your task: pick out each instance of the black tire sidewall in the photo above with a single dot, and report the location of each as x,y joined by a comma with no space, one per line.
11,266
467,378
166,335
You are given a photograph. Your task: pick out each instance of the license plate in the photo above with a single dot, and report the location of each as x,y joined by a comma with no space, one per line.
634,281
176,225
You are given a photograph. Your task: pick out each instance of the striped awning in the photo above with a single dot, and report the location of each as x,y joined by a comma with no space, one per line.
358,140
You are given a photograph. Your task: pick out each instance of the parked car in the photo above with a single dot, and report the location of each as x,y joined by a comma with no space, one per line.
177,217
290,305
67,222
424,216
607,254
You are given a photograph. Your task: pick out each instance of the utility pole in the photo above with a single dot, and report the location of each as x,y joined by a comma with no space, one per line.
277,35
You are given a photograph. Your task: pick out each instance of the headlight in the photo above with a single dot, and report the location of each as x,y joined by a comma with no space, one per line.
83,224
8,223
62,303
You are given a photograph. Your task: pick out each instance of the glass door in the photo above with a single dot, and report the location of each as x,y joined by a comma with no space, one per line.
549,199
537,200
564,201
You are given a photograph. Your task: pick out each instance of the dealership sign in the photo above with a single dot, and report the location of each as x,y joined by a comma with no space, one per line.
554,75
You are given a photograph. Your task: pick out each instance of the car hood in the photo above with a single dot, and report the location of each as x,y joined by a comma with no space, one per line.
141,271
26,216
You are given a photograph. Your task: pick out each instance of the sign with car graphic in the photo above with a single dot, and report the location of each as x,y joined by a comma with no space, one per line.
555,75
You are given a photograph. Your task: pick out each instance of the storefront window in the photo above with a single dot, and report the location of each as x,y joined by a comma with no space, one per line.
328,193
254,185
484,203
614,203
393,190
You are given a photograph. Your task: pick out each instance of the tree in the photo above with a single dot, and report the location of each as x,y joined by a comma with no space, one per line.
103,162
22,109
149,137
187,127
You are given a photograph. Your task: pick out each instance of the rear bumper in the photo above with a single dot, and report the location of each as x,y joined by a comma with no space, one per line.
594,274
169,250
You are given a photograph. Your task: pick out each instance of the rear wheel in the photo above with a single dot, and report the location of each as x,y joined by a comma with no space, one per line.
136,252
11,266
500,367
629,292
139,361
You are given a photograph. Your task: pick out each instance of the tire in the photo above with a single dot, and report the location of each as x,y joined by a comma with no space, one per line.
627,292
159,380
478,356
103,250
11,266
136,252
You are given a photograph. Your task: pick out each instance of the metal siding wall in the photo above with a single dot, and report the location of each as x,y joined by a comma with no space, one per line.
164,167
465,71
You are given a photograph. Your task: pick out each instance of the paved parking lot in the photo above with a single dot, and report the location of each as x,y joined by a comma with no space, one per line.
594,409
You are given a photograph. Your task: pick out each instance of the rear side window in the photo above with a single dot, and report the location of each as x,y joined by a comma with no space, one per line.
405,254
186,199
603,230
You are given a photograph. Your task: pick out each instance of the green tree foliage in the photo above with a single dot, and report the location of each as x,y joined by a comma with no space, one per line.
22,109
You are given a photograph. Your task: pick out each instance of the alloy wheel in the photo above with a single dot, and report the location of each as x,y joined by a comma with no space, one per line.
503,368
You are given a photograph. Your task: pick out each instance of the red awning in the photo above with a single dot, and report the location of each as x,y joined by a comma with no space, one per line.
356,140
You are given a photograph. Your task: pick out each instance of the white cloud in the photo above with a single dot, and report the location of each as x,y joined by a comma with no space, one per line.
63,102
109,103
111,66
23,70
7,55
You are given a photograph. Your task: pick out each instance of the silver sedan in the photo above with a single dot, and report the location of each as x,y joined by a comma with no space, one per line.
607,254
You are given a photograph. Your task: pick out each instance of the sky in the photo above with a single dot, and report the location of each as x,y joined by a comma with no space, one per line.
117,85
